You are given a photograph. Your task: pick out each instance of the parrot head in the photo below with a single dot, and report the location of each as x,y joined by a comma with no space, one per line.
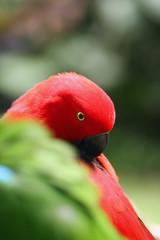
73,107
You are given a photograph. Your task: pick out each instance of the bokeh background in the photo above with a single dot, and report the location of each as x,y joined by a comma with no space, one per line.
116,43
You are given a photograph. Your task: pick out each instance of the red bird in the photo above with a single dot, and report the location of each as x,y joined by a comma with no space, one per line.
78,111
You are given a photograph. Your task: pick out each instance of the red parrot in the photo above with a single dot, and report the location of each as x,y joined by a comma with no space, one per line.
80,112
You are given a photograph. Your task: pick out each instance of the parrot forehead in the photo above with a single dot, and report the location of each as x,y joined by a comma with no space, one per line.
79,88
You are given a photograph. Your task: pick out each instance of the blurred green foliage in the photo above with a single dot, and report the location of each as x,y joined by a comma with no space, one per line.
44,192
113,42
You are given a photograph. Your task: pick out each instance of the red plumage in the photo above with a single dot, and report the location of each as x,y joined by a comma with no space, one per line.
55,103
116,204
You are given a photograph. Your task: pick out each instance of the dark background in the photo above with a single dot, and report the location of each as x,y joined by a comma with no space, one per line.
115,43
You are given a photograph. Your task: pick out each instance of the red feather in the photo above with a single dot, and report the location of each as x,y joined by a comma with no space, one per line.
116,204
55,102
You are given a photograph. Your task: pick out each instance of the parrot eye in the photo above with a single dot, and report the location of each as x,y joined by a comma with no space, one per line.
80,116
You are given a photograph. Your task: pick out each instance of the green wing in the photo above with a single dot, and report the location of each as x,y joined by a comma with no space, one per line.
44,193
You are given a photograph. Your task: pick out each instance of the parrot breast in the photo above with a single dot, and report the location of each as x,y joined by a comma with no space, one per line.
115,203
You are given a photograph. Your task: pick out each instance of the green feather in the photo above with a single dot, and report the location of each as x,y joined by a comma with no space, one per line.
44,192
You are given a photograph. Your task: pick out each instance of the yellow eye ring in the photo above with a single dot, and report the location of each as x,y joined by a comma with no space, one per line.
80,116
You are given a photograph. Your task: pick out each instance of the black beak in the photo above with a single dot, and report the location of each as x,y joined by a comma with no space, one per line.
91,147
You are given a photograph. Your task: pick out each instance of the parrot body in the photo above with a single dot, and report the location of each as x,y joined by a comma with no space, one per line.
78,111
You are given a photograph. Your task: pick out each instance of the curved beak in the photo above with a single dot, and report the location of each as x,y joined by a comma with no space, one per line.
93,146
